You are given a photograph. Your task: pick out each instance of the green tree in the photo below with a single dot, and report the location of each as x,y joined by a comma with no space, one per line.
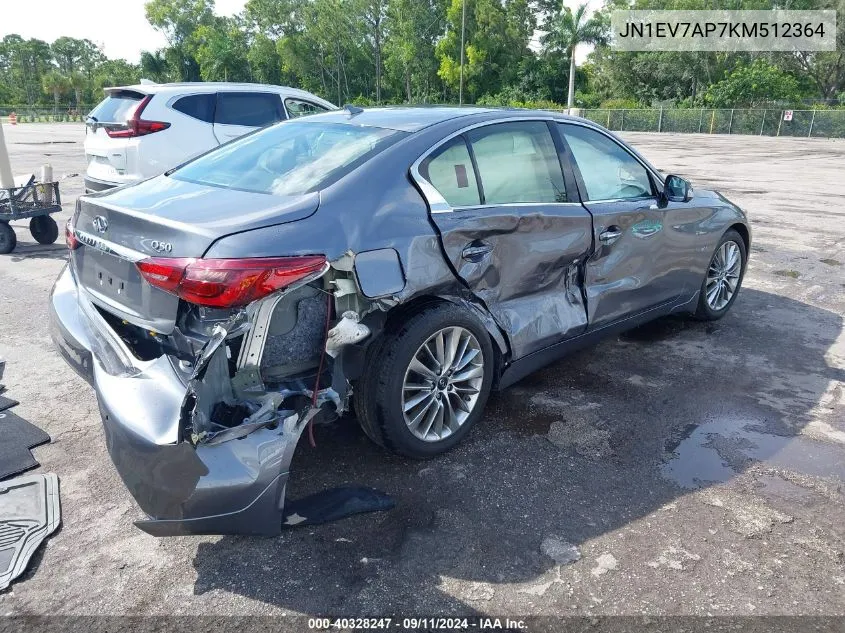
77,82
496,41
568,30
154,66
179,21
115,72
413,27
221,51
265,64
753,85
25,62
55,84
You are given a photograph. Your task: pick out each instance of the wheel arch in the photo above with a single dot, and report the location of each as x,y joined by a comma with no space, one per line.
744,233
498,339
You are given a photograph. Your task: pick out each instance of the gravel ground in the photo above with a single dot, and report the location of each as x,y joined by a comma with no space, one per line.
682,468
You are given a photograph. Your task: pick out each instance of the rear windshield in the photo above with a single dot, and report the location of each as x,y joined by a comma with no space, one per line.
290,158
118,107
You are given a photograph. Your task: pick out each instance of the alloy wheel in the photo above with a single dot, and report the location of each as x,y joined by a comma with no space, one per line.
723,275
442,383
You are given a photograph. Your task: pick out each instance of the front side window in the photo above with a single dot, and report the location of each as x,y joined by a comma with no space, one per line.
517,163
449,170
249,109
609,172
289,159
297,108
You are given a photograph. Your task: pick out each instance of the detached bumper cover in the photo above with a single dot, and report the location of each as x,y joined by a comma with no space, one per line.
235,487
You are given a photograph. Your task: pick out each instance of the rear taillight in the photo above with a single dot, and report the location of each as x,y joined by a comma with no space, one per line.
226,283
70,238
136,126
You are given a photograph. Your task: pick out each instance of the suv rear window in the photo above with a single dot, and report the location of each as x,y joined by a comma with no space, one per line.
199,107
117,107
289,159
251,109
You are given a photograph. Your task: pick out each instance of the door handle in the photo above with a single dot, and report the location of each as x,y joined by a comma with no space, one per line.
610,235
476,251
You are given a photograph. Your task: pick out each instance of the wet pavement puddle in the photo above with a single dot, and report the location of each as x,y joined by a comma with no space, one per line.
716,451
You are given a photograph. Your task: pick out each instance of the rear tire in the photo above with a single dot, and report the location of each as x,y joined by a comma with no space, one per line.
723,278
8,239
44,229
423,411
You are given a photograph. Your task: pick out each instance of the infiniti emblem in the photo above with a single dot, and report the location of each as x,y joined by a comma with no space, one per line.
101,224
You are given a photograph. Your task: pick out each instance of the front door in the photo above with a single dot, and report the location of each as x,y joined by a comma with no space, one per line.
631,269
513,230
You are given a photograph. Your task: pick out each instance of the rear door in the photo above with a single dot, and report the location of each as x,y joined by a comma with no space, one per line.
194,120
511,228
631,269
238,113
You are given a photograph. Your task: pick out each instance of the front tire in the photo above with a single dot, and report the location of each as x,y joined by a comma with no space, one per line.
723,277
428,382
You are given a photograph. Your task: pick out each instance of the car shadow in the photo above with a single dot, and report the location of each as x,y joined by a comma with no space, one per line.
579,449
24,251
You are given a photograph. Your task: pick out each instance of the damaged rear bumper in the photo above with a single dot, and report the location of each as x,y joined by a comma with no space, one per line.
233,487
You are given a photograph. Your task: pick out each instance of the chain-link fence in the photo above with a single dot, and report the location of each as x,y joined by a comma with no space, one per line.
761,122
45,114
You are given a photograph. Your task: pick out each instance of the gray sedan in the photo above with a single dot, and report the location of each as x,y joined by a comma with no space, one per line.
401,262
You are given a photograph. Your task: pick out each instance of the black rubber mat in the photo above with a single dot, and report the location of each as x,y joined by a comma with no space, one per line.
7,403
335,504
17,436
29,512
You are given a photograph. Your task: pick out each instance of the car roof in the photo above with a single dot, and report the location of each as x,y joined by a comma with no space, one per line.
415,118
195,87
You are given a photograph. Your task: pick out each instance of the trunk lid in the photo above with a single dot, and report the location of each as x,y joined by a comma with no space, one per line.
163,217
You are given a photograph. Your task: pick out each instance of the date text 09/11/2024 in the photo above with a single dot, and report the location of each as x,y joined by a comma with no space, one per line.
417,623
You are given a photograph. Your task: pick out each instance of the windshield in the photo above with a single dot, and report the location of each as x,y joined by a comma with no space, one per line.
290,158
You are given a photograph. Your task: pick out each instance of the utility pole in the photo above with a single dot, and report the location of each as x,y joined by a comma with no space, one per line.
463,33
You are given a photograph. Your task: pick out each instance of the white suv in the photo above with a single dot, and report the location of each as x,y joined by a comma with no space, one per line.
141,131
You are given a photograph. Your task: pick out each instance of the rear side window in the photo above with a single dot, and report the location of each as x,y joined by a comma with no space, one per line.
517,162
117,107
449,170
199,107
251,109
297,108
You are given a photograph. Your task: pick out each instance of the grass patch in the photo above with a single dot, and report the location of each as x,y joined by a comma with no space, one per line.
830,262
792,274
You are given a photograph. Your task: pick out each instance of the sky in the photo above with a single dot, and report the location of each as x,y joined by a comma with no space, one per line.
119,26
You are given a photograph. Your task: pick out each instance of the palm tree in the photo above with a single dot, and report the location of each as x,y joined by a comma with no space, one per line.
78,83
154,66
570,28
56,83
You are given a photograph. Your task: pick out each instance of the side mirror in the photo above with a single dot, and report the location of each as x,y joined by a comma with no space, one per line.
676,189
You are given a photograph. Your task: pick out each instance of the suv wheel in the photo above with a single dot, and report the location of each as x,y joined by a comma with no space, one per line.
429,383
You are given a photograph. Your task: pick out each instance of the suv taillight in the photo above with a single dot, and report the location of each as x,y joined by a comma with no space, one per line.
226,283
136,126
70,238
